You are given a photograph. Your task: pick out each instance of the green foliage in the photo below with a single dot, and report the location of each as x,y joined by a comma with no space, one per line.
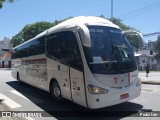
132,39
30,31
134,42
157,49
2,1
118,22
17,39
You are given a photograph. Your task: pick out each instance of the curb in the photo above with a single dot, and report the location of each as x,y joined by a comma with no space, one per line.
150,82
5,68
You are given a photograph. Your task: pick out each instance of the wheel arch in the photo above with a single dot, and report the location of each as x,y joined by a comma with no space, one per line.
52,81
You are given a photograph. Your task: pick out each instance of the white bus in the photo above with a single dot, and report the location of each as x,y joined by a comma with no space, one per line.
85,59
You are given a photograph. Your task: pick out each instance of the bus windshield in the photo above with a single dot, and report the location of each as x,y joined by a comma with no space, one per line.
110,52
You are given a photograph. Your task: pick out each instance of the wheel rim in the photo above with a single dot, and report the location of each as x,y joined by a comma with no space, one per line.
56,91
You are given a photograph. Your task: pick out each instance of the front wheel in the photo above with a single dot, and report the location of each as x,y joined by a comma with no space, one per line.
56,91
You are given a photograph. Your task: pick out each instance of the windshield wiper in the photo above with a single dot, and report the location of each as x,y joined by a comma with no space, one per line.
115,54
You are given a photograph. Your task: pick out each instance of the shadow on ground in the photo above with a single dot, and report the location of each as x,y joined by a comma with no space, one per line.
68,109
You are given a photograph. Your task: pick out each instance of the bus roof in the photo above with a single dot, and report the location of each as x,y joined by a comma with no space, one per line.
83,20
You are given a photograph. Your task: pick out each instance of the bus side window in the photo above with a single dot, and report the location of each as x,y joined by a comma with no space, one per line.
74,55
64,46
56,46
39,46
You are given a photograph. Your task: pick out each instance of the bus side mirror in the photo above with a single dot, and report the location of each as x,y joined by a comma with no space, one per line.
135,33
85,35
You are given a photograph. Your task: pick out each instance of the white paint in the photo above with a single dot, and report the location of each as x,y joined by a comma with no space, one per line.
10,103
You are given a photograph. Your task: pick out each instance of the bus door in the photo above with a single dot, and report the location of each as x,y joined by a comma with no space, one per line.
65,79
57,50
64,47
76,71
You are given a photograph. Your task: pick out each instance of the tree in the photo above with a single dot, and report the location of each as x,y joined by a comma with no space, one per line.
17,39
132,39
119,22
2,1
30,31
134,42
157,49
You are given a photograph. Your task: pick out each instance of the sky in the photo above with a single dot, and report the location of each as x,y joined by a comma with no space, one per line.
143,15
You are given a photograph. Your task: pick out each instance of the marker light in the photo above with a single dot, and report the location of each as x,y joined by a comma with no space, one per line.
139,82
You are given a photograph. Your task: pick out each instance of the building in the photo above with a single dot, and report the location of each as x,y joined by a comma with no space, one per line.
150,45
147,55
5,53
144,56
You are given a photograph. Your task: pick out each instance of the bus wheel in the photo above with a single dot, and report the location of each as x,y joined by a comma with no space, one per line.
18,78
56,91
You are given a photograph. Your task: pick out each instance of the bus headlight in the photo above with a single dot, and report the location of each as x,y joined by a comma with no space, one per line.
96,90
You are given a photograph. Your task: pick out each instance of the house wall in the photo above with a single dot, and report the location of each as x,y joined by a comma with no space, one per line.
5,55
152,62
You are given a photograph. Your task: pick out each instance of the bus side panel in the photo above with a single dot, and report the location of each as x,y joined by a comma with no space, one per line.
66,82
52,72
78,89
16,63
60,73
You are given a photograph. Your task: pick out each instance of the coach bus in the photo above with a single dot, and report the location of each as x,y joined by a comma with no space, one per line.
85,59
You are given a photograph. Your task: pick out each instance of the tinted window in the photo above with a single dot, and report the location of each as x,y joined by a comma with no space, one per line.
40,46
64,47
56,45
74,53
110,53
33,47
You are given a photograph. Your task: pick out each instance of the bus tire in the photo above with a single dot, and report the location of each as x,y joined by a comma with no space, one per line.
18,79
56,91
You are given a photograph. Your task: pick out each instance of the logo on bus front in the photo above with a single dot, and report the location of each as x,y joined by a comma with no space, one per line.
116,80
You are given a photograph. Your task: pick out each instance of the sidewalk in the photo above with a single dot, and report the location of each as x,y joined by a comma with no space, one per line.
5,68
153,78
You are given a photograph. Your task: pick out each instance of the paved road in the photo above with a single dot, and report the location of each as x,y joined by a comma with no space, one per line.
27,98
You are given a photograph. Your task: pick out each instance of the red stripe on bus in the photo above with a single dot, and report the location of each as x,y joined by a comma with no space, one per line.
33,60
129,80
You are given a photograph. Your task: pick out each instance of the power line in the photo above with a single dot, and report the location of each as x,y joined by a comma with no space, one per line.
151,34
140,11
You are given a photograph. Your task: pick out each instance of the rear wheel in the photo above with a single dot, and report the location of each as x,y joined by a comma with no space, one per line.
18,78
56,91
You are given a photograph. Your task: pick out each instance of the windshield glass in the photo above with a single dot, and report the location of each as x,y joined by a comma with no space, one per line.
110,53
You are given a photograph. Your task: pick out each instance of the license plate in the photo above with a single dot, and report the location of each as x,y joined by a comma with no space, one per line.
123,96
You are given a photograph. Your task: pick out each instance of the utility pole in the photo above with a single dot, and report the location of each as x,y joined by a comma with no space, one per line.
111,9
